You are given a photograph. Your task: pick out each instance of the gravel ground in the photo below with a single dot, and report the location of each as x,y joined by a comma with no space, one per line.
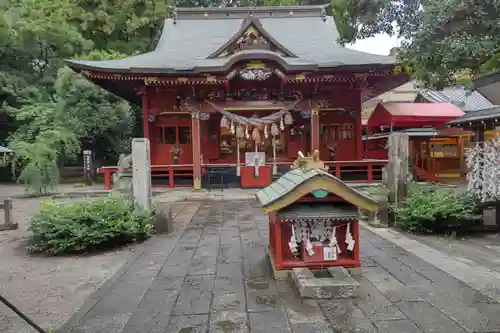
47,289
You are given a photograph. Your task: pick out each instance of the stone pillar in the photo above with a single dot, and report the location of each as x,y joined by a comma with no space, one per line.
314,131
145,113
196,151
141,173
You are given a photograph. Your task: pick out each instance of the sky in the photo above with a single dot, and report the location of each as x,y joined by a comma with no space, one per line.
380,44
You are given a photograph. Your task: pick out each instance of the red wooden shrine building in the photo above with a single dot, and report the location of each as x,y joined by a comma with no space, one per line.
235,87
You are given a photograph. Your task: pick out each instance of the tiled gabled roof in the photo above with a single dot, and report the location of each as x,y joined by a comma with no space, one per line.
188,41
466,100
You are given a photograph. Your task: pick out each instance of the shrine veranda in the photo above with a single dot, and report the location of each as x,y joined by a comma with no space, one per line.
244,90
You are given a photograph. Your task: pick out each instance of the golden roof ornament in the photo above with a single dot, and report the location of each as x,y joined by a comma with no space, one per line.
309,162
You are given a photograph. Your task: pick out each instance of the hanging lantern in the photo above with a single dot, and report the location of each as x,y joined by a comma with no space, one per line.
266,132
239,132
288,119
282,125
256,135
224,122
247,135
232,128
274,130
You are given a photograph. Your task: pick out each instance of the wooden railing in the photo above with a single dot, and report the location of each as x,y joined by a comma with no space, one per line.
345,170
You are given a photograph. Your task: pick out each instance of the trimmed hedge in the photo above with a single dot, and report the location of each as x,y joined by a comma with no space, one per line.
434,209
87,225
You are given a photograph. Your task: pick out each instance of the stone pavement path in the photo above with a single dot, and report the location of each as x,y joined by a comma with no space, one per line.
211,275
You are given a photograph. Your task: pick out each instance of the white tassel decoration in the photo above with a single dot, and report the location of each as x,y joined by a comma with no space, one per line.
333,240
293,242
247,135
282,125
349,239
223,122
233,130
288,119
309,247
266,132
274,130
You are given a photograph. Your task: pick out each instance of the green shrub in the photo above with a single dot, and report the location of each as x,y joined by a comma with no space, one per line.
430,208
87,225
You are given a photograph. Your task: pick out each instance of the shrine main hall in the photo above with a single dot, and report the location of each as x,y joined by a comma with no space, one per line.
241,91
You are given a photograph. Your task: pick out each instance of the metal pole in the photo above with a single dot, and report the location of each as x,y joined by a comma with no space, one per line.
22,315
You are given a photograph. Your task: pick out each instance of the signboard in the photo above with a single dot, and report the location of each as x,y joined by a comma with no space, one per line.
329,253
255,159
87,166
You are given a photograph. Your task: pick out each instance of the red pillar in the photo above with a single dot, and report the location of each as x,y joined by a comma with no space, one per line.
314,131
196,151
358,127
145,113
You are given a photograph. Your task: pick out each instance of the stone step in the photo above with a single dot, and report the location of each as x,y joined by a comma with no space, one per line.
339,285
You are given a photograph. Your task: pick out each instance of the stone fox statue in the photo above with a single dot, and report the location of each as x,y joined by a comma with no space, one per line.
124,162
123,178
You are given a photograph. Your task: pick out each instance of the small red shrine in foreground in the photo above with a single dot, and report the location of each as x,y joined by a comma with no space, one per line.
313,218
236,87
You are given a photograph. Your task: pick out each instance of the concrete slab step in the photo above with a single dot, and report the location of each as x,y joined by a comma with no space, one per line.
338,285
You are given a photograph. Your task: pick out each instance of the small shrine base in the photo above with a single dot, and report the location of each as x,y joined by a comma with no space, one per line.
278,274
337,283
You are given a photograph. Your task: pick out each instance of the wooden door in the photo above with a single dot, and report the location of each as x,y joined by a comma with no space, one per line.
337,142
172,139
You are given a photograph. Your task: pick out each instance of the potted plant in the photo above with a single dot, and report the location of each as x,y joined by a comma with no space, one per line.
176,151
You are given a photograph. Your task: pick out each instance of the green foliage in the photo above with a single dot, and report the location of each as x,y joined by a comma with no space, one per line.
357,19
88,225
377,190
430,208
444,42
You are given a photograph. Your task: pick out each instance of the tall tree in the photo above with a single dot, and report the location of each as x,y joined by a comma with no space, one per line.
444,41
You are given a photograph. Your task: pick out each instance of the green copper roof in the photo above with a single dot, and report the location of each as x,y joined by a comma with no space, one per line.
294,178
286,183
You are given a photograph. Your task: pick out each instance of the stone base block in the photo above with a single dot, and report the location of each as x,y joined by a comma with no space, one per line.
10,226
163,220
339,285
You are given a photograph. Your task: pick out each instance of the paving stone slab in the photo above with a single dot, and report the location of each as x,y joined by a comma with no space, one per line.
188,324
398,326
229,322
429,318
374,304
271,321
228,301
153,306
344,316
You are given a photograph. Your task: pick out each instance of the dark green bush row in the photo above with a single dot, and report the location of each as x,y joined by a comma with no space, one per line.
434,209
88,225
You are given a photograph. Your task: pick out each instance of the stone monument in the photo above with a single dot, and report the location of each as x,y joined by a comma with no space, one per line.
141,173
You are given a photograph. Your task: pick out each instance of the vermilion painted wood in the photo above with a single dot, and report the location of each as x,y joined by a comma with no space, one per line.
248,179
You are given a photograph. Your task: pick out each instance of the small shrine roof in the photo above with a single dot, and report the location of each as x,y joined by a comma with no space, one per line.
319,210
488,86
488,114
413,114
299,182
306,36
